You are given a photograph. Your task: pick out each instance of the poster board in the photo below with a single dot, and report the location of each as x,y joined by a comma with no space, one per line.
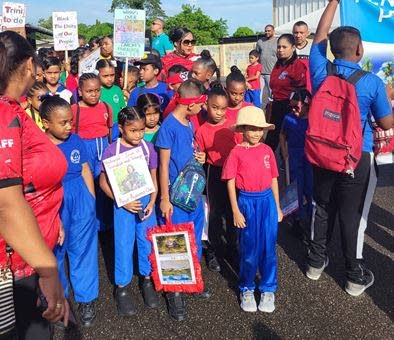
129,33
14,17
88,64
129,176
65,31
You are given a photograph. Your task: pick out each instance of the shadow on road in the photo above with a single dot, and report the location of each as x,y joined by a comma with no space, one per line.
262,332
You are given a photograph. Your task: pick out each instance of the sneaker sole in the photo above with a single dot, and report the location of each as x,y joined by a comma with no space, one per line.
266,310
249,310
358,292
316,277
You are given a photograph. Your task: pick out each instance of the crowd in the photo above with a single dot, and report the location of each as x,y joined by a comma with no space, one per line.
57,127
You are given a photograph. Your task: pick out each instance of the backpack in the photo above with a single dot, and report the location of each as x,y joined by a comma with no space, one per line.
334,136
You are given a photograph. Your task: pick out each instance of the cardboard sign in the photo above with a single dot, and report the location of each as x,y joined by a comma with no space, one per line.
65,30
14,18
88,64
129,33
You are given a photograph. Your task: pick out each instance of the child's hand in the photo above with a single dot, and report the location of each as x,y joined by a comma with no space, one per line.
248,86
239,220
126,93
149,210
280,215
166,208
60,239
200,156
133,207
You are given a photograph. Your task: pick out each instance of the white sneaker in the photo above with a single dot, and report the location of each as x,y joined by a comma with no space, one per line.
315,273
267,302
248,302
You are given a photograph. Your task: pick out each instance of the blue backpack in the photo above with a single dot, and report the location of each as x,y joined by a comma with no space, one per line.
186,192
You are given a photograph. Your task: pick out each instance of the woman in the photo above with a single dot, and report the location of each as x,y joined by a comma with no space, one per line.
30,196
289,74
184,43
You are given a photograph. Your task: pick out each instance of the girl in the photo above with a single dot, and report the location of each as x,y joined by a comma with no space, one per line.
52,69
149,104
34,95
289,73
236,88
132,81
253,72
128,223
216,139
78,211
73,76
110,93
251,169
204,68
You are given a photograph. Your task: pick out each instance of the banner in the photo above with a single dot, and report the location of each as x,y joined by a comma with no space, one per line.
129,33
88,64
65,31
14,17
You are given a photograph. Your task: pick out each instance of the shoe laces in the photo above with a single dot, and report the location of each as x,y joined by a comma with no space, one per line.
268,297
87,308
248,295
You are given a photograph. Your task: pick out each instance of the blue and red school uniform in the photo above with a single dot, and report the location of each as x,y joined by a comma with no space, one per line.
253,95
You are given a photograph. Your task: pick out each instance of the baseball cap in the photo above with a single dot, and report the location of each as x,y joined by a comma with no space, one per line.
150,59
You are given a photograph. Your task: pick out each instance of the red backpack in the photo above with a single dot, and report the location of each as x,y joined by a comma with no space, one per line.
334,137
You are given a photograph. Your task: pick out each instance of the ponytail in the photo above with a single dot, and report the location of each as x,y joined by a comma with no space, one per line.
235,75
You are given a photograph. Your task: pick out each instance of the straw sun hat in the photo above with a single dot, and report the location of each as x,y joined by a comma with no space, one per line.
252,116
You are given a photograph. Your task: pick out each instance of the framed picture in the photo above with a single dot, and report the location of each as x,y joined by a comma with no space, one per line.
175,265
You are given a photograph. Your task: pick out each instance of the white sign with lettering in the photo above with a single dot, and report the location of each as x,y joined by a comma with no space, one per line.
65,30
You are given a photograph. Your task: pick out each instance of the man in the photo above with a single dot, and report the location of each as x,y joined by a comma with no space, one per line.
337,194
81,40
303,47
161,42
267,48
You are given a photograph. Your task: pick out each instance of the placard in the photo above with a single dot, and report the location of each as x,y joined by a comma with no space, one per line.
65,30
14,17
88,64
129,33
129,176
289,199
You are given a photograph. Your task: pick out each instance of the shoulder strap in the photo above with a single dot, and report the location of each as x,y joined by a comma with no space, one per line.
331,69
146,148
77,119
356,76
108,111
117,146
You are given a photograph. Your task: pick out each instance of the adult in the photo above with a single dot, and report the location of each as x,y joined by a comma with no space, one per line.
184,43
337,194
161,42
303,47
81,40
287,75
266,46
31,171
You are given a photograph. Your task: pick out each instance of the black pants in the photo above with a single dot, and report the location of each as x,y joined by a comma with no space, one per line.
278,113
30,324
219,207
349,199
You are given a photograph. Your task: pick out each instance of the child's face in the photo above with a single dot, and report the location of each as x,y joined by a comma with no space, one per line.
34,100
217,106
133,132
200,73
299,108
106,47
236,93
59,126
132,80
52,75
253,59
148,73
107,76
39,74
152,117
252,134
195,109
90,91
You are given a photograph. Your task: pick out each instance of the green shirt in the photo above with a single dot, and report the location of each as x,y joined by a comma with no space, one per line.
162,43
113,96
151,137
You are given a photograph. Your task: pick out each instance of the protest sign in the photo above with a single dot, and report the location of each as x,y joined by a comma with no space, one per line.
88,64
14,17
65,30
129,33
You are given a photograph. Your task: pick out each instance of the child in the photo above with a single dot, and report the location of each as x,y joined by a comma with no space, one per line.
52,69
236,88
110,93
216,139
253,73
251,169
149,104
39,71
73,76
204,68
150,67
34,95
128,226
292,143
132,81
78,212
175,141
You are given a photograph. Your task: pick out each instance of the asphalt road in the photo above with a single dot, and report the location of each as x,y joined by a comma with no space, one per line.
305,309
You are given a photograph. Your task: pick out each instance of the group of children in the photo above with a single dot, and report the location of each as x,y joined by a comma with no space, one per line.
189,116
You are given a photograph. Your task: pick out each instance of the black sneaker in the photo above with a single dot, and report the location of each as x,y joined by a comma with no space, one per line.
204,295
357,288
151,298
176,306
124,304
87,314
213,263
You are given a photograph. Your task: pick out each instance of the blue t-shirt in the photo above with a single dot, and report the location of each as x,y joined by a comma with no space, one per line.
371,94
74,150
178,138
162,43
294,128
161,90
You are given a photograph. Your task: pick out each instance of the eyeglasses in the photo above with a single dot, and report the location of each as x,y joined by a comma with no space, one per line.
155,23
188,42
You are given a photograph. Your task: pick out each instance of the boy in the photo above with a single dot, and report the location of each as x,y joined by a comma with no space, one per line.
175,141
253,72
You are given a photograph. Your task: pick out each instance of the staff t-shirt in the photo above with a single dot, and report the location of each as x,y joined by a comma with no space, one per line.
295,129
253,168
113,96
172,59
251,71
161,89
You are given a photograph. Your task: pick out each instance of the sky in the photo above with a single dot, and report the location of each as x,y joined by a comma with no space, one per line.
251,13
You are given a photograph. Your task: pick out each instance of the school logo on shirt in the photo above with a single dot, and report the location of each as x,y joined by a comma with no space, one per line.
283,75
115,98
267,161
75,156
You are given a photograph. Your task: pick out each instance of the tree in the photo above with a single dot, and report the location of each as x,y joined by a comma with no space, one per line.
243,32
152,7
205,30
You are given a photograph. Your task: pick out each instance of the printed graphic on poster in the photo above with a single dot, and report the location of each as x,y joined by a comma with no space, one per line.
289,199
129,33
129,176
65,30
14,17
88,64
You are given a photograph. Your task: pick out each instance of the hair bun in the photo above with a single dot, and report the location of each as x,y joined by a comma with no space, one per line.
47,95
216,85
235,69
205,54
